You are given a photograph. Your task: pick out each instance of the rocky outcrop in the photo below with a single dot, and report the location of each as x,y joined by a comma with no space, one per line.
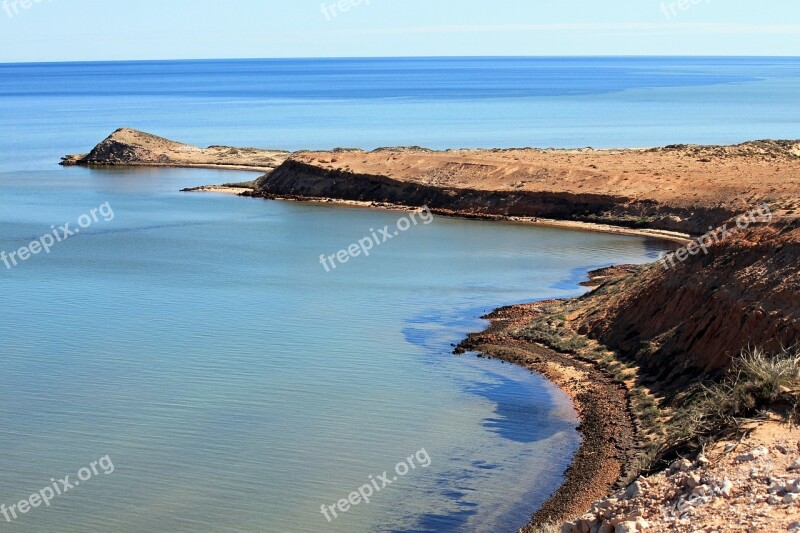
128,147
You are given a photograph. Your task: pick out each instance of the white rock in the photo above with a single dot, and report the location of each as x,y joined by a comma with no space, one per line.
795,466
602,505
727,488
693,481
634,491
775,487
791,498
752,455
626,527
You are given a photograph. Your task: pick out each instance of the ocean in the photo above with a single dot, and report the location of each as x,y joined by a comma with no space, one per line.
195,341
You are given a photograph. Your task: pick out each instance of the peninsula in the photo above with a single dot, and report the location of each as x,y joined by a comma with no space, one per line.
685,373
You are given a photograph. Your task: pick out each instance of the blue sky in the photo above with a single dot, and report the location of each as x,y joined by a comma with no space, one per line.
76,30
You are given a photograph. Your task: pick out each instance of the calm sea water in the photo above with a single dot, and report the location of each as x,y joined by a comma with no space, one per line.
237,386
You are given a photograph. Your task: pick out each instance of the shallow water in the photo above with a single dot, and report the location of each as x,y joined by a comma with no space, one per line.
237,386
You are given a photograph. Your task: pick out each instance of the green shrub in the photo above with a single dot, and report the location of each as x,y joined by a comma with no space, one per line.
756,382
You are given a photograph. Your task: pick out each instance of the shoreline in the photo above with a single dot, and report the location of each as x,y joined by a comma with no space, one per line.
609,436
597,227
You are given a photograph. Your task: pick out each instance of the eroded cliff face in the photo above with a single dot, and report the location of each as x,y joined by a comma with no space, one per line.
297,179
695,316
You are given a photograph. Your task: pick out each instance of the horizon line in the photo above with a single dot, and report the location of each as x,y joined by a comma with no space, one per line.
344,58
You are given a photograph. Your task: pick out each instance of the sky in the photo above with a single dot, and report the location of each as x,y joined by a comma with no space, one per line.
100,30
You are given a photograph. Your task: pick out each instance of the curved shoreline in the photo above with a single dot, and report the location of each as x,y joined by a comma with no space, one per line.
597,227
605,448
608,430
609,437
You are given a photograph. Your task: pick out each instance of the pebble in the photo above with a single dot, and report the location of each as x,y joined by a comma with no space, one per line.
752,455
727,488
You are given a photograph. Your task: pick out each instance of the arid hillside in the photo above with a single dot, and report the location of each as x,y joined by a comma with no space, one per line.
695,316
128,147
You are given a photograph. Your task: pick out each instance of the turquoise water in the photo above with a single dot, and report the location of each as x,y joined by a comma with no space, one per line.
196,340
